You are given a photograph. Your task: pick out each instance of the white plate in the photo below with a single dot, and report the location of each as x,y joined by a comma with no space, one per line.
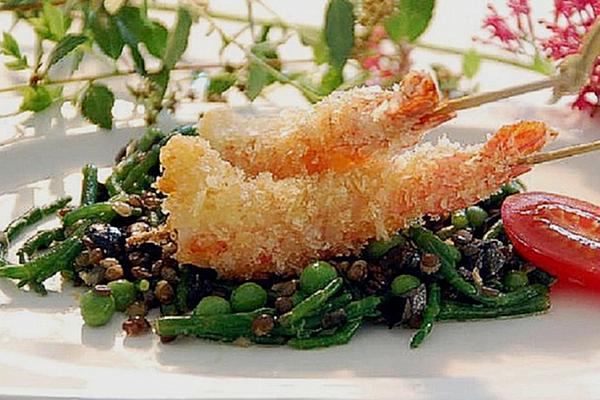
46,352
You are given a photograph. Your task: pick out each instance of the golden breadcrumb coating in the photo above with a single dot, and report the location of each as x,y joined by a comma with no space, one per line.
337,134
251,227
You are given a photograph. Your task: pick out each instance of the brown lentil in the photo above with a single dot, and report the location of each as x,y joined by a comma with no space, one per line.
358,271
169,274
430,263
137,258
462,237
136,326
169,248
286,288
334,319
164,292
342,266
95,256
150,201
135,200
137,308
283,304
109,262
156,268
167,339
140,272
114,272
137,228
263,325
102,290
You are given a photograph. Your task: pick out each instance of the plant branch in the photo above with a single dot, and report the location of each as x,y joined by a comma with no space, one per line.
311,95
130,72
484,56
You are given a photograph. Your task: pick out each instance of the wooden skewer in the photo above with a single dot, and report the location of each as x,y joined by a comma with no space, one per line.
488,97
559,154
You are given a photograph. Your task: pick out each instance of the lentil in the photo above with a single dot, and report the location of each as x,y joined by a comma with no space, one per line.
136,326
263,324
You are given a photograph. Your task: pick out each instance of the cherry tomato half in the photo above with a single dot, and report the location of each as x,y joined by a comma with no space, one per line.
557,233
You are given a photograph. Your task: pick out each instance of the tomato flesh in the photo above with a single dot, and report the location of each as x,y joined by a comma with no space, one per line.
557,233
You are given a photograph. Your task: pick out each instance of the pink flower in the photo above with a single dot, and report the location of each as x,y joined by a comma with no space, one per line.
519,7
371,63
572,19
499,27
568,8
385,60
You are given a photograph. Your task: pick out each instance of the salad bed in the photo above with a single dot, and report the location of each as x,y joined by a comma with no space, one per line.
461,267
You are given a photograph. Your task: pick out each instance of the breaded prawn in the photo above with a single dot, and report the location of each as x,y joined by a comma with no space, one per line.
251,227
338,133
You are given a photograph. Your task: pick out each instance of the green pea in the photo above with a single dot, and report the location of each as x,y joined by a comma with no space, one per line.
248,297
404,283
514,280
459,219
123,292
212,305
476,216
378,248
316,276
96,309
513,187
144,285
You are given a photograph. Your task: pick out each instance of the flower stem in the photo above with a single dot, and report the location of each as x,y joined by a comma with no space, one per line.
484,56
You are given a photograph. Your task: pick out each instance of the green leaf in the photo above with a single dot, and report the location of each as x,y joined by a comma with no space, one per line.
339,31
220,83
55,21
64,47
316,40
331,80
97,104
411,19
178,38
543,65
9,45
107,35
131,27
470,63
17,65
258,78
39,98
155,38
136,28
18,3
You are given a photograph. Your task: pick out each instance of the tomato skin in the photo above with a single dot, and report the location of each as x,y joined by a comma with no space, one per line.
557,233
